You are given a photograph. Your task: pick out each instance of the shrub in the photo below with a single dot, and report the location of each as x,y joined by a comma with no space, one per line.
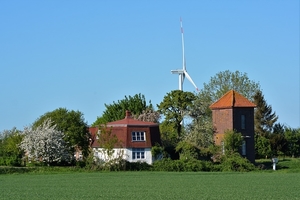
234,162
137,166
156,151
191,165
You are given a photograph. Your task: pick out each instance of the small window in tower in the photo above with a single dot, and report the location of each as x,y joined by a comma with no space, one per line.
244,152
243,122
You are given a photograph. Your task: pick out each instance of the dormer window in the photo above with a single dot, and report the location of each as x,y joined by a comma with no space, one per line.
138,136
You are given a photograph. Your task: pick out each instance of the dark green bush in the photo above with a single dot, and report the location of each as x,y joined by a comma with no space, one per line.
10,161
234,162
137,166
191,165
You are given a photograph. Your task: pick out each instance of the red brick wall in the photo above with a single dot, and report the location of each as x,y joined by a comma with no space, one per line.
222,121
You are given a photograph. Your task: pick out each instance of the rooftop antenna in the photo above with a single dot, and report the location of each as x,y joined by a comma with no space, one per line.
182,72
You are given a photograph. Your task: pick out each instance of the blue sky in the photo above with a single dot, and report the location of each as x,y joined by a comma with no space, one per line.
82,54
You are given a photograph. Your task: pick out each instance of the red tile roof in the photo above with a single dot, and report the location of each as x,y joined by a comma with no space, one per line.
232,99
129,121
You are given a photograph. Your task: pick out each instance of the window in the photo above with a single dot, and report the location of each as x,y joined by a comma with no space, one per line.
243,122
244,152
138,136
138,154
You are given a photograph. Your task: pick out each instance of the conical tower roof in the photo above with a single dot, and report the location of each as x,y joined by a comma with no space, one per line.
232,99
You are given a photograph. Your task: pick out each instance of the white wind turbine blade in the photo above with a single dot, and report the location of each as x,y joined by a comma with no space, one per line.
190,79
182,42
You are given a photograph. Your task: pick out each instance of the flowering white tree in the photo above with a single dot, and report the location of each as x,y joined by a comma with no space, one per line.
45,144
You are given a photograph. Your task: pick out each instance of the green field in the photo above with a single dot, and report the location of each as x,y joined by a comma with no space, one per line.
150,185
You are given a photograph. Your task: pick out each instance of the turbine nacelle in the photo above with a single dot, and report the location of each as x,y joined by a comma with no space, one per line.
178,71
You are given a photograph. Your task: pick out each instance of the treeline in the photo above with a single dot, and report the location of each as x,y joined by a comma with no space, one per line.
62,132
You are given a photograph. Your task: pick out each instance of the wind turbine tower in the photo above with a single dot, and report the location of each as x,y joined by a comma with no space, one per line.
182,72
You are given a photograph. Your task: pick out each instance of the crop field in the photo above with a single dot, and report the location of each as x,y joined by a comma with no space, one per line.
150,185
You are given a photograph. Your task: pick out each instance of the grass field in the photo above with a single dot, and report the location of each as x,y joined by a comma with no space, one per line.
150,185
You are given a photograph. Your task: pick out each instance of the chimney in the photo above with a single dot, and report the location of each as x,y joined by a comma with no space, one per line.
128,115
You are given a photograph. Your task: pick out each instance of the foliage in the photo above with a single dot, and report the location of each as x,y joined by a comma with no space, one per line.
264,118
283,141
168,134
137,166
278,144
107,140
189,165
10,152
72,124
232,141
187,151
262,147
199,133
174,106
278,128
112,159
224,81
135,104
157,151
234,162
292,137
45,144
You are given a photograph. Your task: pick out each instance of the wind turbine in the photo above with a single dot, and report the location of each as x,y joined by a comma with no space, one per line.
182,72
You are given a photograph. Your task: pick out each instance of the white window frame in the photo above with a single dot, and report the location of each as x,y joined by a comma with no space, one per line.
138,154
138,136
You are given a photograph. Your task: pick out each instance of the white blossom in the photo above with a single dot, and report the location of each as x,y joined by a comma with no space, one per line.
45,144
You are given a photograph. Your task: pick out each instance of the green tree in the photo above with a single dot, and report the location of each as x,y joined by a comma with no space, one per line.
187,150
135,104
72,124
264,118
262,147
278,144
169,139
10,152
232,141
279,128
174,106
292,137
200,133
222,82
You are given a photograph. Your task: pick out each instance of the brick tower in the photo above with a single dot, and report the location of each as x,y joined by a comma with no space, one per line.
235,112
